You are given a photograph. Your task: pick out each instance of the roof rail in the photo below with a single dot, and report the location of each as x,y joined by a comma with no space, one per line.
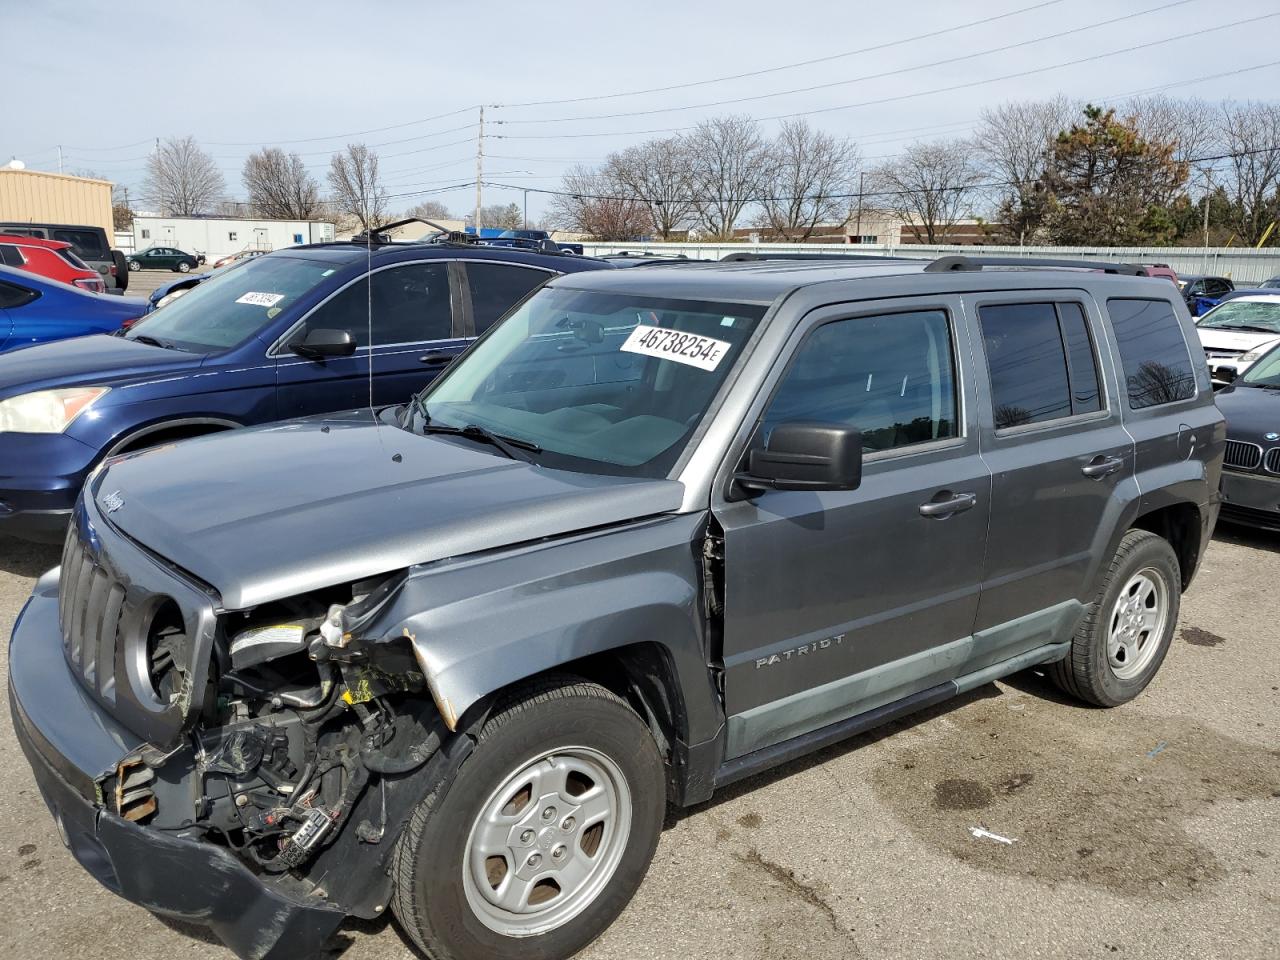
747,256
381,236
966,263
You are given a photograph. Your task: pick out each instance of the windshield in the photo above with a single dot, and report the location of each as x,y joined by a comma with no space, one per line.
1244,314
599,382
1272,284
1265,372
231,305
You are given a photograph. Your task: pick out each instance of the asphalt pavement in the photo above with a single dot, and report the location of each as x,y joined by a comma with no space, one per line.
1148,831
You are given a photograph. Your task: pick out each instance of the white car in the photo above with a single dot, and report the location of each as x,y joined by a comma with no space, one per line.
1238,331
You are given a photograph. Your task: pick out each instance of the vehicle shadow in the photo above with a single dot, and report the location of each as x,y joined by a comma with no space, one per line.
25,559
1245,536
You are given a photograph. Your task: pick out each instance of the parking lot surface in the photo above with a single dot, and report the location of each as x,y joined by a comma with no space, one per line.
1152,830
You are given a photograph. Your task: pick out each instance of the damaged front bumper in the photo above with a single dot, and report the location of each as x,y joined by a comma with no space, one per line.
71,744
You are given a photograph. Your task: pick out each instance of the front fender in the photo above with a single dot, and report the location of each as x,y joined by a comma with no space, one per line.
480,624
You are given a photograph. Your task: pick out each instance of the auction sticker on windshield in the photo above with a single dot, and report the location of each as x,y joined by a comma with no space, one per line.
688,348
261,299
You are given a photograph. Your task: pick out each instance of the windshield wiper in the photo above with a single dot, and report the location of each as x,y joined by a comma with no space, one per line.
152,341
473,431
1247,327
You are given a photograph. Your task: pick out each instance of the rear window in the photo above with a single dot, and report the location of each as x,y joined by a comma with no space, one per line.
88,244
1153,351
72,259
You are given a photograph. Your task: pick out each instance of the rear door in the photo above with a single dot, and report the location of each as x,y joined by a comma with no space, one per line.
404,325
492,288
1053,435
838,602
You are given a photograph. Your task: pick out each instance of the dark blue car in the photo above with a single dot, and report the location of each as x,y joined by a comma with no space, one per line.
291,334
35,309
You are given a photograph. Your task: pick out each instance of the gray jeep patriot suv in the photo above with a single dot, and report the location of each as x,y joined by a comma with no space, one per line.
657,530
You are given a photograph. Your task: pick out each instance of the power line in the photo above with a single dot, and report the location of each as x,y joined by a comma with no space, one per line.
922,93
786,66
870,76
352,133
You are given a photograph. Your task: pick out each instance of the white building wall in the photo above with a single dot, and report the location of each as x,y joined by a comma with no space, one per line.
218,237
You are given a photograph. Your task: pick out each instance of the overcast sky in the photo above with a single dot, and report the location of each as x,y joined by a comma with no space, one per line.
311,76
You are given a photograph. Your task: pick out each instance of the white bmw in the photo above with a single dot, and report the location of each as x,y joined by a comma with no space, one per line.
1238,331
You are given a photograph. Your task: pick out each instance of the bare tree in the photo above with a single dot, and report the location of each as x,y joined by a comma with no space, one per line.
1192,126
727,163
279,185
182,180
657,172
430,210
1013,142
807,180
929,186
356,187
592,204
1251,134
502,216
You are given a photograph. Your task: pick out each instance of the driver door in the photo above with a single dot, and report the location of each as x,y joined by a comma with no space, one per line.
839,602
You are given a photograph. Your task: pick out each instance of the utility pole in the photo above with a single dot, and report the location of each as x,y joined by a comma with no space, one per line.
479,170
59,158
1208,198
861,176
526,207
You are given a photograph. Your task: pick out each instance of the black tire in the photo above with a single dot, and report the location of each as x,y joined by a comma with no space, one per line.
183,267
1086,673
122,270
134,265
430,901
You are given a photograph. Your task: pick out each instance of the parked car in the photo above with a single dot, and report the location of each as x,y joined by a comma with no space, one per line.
163,258
1160,270
657,531
1238,331
49,258
1272,284
530,240
281,336
35,309
1251,468
1202,293
90,244
235,257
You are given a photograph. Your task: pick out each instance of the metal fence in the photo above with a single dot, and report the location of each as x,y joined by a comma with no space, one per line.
1243,266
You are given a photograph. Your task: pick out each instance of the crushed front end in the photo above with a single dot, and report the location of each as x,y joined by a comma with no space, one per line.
249,771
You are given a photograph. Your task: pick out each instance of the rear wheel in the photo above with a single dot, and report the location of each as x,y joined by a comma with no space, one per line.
1126,634
184,267
134,266
544,835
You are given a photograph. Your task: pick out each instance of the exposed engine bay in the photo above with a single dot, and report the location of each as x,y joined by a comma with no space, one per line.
302,737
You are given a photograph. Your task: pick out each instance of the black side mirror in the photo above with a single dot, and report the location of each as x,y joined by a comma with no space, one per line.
806,456
325,343
1226,374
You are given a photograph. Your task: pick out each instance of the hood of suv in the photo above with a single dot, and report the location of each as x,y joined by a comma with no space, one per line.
272,512
86,360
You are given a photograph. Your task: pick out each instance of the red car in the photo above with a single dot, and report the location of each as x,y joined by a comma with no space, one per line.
49,258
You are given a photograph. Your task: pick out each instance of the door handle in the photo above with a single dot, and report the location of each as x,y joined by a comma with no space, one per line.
945,508
435,358
1101,466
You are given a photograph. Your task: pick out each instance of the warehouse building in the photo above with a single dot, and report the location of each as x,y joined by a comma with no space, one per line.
33,196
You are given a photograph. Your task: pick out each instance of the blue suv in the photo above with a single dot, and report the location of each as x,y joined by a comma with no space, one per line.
291,334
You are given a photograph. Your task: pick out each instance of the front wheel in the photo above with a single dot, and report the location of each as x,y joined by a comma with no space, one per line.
1126,634
184,267
544,835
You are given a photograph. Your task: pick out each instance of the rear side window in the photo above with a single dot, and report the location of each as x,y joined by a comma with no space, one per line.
408,304
1153,351
10,255
72,259
86,243
12,295
497,287
890,376
1041,361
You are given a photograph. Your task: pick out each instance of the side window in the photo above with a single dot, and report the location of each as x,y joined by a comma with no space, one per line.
1041,362
11,256
146,234
496,287
891,376
12,295
86,243
409,304
1157,364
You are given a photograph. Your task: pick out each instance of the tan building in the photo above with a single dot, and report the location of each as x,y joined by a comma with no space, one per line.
33,196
